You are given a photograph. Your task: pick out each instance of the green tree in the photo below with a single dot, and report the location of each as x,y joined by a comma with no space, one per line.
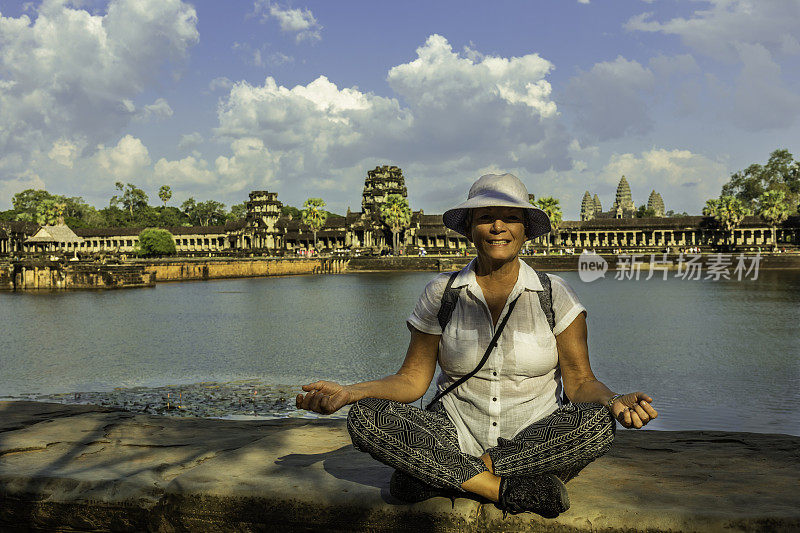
728,212
188,207
211,213
644,212
131,198
114,217
50,212
26,203
238,212
165,193
314,216
773,208
711,208
173,217
396,214
154,242
552,207
287,210
781,172
672,213
205,213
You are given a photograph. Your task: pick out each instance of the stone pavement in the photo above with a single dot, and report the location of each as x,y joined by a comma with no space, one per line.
80,467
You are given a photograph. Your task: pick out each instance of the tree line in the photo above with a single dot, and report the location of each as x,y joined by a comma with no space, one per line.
129,207
770,191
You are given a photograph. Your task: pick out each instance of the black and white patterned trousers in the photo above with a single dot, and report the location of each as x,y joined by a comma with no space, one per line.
425,443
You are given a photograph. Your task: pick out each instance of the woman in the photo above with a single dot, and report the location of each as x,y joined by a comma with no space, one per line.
506,433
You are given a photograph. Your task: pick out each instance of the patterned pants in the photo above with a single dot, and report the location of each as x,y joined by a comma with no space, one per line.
425,443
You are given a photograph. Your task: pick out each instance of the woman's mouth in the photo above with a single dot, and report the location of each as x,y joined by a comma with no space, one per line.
498,243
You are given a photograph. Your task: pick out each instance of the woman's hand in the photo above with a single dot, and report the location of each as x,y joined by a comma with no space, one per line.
324,397
633,410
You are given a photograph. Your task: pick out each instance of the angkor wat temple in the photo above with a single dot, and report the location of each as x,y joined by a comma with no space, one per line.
623,206
266,231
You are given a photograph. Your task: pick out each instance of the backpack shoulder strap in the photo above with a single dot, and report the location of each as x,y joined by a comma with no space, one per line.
546,301
449,300
546,298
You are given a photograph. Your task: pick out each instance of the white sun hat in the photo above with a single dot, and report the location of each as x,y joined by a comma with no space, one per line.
498,190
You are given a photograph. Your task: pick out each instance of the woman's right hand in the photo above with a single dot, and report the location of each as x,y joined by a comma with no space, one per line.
324,397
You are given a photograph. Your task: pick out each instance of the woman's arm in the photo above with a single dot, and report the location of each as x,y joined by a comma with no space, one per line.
581,385
407,385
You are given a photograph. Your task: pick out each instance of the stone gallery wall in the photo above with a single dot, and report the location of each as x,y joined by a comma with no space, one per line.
184,270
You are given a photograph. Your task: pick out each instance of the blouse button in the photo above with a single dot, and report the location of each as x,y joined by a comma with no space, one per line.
494,423
494,399
494,373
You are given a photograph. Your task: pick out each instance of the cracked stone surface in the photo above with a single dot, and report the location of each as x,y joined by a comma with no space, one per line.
81,467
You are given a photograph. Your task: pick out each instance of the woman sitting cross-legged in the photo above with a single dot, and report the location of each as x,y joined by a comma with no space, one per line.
506,337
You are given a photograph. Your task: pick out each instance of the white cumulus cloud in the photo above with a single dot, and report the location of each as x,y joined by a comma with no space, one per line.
70,77
160,109
761,98
187,171
440,77
453,113
190,140
291,20
683,178
125,161
720,26
611,100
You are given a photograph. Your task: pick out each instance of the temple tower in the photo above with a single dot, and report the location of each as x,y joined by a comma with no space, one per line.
263,211
623,204
587,207
656,203
598,207
380,183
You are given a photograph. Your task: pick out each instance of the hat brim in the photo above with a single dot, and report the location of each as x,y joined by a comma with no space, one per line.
537,223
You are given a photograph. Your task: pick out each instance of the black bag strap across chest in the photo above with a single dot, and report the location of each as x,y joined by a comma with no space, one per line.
448,305
485,357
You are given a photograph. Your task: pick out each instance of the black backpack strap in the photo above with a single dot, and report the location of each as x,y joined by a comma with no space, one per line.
546,301
449,300
546,298
485,358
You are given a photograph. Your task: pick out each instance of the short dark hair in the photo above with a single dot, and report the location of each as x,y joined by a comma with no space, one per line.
468,219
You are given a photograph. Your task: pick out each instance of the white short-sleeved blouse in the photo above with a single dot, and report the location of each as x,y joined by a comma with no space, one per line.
520,382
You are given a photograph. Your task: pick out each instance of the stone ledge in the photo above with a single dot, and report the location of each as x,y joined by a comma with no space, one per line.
90,468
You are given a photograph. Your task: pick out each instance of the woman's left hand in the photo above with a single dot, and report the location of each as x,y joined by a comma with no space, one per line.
633,410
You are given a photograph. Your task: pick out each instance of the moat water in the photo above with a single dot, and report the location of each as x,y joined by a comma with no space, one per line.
716,355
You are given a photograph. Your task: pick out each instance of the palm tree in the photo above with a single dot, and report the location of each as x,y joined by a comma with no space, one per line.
396,214
552,207
165,193
314,216
711,208
729,212
50,212
773,208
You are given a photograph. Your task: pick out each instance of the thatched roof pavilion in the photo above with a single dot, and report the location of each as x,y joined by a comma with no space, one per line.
50,237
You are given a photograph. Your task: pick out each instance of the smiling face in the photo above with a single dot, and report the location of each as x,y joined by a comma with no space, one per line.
498,233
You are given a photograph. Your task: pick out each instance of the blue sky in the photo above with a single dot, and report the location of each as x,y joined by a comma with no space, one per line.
219,98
